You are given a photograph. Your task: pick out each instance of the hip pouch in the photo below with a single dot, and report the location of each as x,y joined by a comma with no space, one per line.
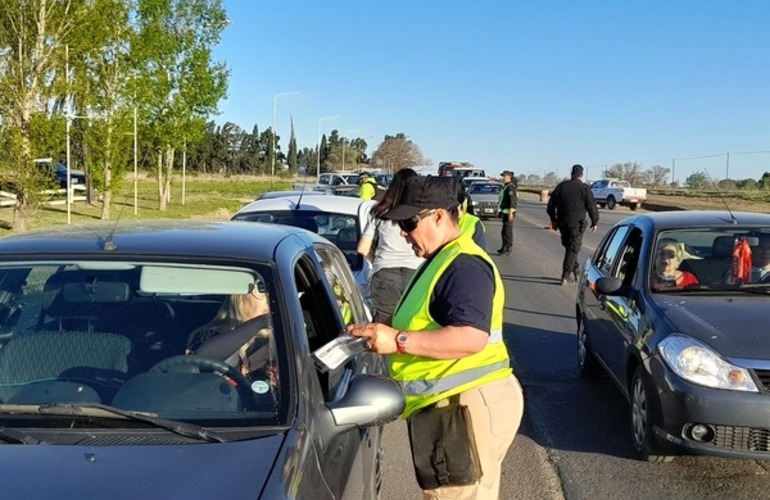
443,445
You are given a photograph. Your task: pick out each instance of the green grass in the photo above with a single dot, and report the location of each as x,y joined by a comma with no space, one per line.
205,198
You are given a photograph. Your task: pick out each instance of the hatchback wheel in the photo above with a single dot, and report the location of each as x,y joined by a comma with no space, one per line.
643,410
611,202
589,366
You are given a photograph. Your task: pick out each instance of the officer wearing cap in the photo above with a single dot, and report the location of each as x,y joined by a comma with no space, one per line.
367,186
567,208
446,335
507,201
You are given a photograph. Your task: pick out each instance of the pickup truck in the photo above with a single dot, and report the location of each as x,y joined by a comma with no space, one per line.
613,192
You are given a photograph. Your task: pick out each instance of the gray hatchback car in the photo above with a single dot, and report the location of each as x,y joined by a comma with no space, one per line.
125,373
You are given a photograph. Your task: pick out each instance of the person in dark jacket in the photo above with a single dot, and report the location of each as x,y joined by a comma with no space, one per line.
507,203
567,208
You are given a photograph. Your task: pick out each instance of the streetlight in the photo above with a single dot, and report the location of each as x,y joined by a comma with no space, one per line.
344,135
272,155
318,155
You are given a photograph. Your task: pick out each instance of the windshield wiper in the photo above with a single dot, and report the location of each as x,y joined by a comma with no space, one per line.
101,410
14,436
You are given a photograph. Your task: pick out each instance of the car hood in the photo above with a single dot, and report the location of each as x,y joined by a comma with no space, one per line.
207,470
736,325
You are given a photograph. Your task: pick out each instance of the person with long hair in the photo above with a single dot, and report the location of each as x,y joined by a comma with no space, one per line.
393,260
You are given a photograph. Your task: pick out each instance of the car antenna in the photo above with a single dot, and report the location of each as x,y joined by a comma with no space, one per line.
722,197
109,243
302,190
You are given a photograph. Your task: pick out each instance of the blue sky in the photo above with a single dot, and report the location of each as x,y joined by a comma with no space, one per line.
532,86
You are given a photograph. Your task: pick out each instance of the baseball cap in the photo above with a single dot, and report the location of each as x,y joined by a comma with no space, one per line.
506,172
424,192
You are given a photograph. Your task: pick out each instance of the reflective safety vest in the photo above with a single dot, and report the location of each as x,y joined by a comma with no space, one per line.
368,189
427,380
467,224
500,196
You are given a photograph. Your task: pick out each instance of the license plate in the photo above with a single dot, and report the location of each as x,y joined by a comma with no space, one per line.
489,210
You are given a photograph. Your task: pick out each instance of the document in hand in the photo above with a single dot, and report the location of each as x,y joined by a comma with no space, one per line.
333,354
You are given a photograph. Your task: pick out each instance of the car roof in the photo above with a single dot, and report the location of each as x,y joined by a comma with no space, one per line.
696,218
283,194
178,238
332,204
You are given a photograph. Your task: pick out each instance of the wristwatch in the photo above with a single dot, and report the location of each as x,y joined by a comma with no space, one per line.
401,340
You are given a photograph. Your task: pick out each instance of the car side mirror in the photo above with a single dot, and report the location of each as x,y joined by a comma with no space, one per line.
611,285
370,400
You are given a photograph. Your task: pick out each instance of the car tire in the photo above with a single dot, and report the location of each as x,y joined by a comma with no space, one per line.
602,205
644,409
633,206
611,202
587,363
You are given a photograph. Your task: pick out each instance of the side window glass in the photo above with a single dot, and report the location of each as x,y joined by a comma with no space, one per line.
319,317
610,252
337,181
338,274
629,257
324,179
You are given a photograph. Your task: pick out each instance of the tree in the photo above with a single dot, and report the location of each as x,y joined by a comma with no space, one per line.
397,152
697,180
292,151
629,171
658,175
181,84
34,40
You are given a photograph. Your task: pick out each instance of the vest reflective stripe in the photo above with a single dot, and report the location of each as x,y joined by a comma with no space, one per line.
421,387
427,380
467,224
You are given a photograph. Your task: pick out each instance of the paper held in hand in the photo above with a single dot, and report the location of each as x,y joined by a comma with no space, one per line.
333,354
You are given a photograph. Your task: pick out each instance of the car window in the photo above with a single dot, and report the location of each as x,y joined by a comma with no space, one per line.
323,179
341,229
481,188
152,337
628,257
321,317
351,306
608,252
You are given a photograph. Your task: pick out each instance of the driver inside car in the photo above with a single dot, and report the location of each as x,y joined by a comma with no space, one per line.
239,334
760,256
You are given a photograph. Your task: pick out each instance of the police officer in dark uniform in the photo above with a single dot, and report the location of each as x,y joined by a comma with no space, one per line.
567,209
507,202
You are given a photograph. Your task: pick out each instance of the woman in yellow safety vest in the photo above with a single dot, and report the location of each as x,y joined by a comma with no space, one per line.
446,337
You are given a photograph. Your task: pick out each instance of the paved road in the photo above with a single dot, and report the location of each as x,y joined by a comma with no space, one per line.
574,441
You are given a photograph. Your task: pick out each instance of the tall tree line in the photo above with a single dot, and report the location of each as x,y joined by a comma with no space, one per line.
87,67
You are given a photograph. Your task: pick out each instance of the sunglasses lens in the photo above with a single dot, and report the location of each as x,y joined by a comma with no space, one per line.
408,225
667,254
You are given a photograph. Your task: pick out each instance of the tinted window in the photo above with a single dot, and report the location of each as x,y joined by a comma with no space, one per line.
480,188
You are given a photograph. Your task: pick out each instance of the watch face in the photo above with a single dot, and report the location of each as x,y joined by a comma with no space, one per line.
402,338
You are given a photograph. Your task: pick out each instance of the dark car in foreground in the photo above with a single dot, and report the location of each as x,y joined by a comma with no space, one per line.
690,352
104,394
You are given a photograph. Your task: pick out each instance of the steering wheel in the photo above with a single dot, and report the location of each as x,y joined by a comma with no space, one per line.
184,363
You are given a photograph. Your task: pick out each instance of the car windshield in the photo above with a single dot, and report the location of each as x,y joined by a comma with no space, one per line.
482,188
710,258
188,343
341,229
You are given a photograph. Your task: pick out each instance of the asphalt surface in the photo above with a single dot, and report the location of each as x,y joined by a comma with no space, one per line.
574,441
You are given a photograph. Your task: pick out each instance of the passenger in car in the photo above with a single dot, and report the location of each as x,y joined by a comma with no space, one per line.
668,257
760,256
240,332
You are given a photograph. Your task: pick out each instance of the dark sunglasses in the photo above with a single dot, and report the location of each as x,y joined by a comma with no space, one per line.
667,254
410,224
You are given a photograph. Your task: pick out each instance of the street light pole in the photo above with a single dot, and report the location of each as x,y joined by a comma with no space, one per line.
318,145
272,150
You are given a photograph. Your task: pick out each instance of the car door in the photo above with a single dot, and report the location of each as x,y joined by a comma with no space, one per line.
624,310
604,314
358,450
